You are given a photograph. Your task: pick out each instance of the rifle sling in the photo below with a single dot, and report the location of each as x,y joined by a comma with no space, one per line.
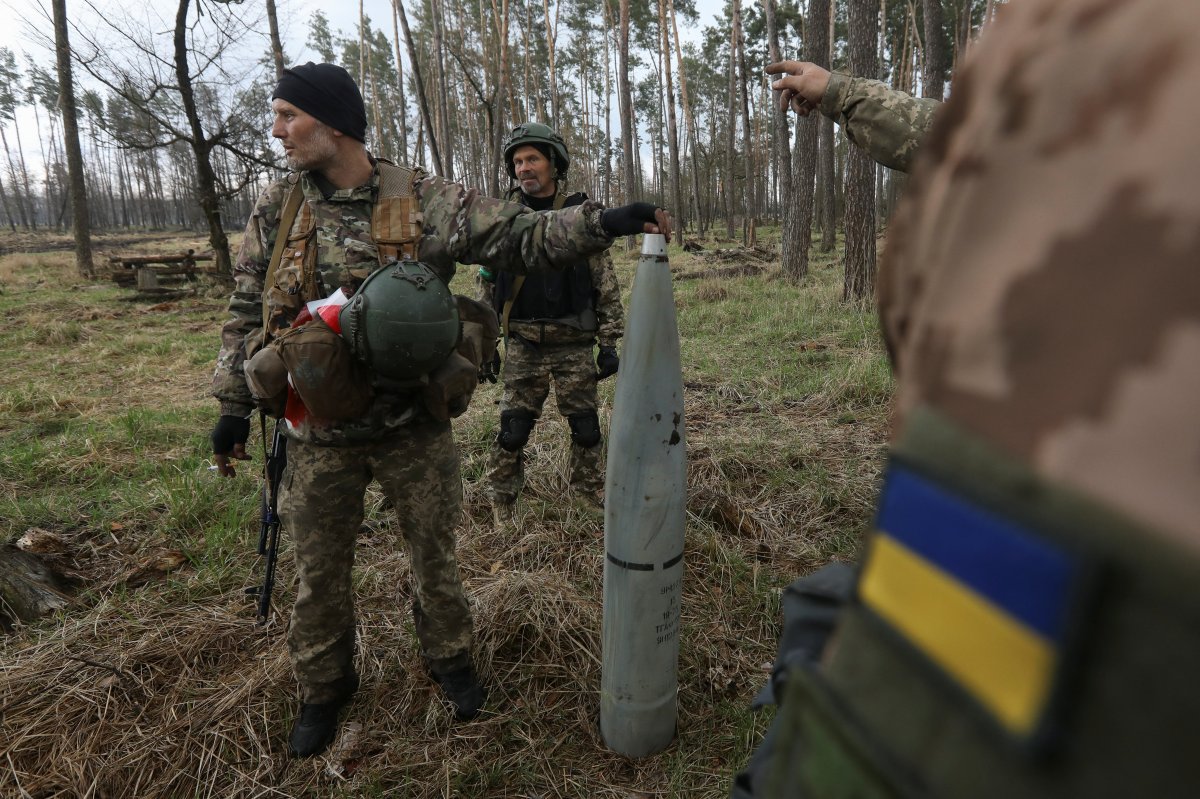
287,216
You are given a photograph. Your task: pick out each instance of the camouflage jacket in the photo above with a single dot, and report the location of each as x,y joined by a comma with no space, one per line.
887,123
606,302
459,225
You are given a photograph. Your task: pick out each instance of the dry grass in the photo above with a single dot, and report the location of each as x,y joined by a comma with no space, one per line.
157,682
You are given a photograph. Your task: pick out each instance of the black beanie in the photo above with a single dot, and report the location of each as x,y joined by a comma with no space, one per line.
328,93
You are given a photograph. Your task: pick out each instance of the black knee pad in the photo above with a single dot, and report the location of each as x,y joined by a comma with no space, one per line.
585,428
515,427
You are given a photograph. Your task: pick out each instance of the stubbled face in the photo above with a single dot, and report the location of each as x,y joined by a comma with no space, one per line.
307,142
534,171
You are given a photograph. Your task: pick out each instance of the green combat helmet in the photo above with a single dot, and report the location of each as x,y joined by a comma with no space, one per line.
536,133
402,322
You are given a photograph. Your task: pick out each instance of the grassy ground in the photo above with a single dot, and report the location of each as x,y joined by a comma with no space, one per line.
156,682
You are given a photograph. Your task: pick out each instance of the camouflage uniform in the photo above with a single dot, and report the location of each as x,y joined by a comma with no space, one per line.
886,123
1026,621
397,443
539,352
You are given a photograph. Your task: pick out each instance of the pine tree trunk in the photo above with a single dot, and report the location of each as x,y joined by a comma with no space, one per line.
749,189
731,123
28,193
426,116
672,131
276,43
859,284
937,58
826,167
793,244
807,151
66,87
632,190
12,174
551,35
503,93
690,121
607,186
443,106
403,110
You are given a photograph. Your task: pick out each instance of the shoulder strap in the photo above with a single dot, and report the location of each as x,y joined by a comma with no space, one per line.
518,281
396,218
559,200
287,216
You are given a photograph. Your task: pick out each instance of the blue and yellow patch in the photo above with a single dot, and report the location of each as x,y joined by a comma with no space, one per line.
984,598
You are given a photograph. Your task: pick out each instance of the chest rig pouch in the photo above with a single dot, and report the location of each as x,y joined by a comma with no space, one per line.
292,278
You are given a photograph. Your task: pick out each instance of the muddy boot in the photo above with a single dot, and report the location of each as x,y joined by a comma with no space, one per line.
461,685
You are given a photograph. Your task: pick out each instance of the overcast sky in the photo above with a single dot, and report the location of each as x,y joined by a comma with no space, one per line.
26,23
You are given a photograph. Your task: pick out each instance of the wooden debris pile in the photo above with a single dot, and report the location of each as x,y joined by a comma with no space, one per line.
158,274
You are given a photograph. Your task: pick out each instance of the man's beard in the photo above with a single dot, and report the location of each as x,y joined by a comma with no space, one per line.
320,148
532,186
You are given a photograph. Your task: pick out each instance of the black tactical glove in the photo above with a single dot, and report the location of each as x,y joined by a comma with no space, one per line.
628,220
607,362
490,370
229,442
230,430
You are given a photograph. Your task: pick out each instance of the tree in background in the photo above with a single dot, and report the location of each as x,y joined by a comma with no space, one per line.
937,55
79,200
859,283
644,112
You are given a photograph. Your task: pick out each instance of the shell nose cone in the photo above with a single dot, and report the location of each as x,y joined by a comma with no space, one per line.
654,244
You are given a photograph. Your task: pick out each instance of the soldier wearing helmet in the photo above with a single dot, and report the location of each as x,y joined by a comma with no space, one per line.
315,238
550,323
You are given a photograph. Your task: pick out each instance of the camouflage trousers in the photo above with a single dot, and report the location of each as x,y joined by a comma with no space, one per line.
321,506
527,375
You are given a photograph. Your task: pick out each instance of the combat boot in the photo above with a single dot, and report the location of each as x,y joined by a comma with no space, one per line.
314,729
458,681
316,724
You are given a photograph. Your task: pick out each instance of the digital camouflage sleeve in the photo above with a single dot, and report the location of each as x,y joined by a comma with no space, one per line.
609,313
887,123
245,305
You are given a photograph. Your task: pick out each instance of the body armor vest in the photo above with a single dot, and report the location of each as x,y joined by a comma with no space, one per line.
565,297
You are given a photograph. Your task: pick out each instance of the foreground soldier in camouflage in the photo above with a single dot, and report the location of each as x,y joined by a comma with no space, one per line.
1026,618
333,245
550,322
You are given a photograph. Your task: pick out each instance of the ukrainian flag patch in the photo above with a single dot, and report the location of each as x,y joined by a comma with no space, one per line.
986,599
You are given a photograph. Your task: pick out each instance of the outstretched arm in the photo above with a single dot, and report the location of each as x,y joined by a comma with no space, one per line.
887,123
471,228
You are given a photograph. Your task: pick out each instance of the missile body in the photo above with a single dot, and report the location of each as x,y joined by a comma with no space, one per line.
644,499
